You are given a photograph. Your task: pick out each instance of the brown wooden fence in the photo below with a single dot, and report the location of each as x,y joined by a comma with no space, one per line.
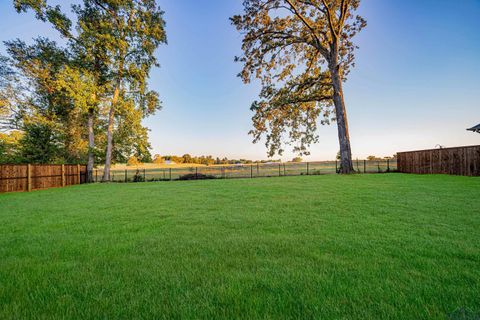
463,161
26,177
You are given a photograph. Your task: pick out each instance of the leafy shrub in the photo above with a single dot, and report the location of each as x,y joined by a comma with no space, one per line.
193,176
138,177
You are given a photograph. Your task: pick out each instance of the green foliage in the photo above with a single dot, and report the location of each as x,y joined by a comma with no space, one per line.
297,159
10,151
39,104
292,48
40,143
387,246
138,177
209,160
110,48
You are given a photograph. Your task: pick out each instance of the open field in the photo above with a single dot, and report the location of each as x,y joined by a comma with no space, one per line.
123,166
151,171
353,247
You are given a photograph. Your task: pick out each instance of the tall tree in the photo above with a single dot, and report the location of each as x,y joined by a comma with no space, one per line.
131,32
43,113
302,52
79,80
113,45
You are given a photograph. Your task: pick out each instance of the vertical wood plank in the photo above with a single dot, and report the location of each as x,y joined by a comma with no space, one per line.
63,175
454,161
29,177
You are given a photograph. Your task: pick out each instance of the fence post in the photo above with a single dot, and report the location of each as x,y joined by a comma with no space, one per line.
96,175
170,169
126,175
251,171
196,172
378,165
336,166
258,170
78,174
308,169
284,172
63,175
364,166
388,165
279,169
29,177
144,175
357,165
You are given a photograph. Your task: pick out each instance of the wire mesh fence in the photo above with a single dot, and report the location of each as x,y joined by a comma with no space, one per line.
255,170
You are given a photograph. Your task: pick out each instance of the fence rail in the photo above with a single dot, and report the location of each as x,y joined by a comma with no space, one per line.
28,177
242,171
455,161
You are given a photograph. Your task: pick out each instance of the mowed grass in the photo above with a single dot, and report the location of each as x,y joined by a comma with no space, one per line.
386,246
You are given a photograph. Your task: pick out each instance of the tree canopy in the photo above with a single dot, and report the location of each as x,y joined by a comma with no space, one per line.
300,51
93,93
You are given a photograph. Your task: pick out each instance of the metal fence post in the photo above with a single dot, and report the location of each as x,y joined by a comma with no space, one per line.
357,165
251,171
388,165
284,171
196,172
126,175
96,175
364,166
279,169
144,175
336,166
170,169
308,169
258,169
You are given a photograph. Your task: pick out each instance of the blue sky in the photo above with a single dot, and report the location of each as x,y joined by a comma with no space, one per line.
416,83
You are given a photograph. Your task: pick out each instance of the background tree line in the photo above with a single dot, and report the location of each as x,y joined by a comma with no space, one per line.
188,159
83,101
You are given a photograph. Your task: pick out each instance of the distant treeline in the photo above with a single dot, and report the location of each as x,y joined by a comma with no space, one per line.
205,160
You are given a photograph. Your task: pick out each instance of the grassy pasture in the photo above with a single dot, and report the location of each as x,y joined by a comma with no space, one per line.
174,171
388,246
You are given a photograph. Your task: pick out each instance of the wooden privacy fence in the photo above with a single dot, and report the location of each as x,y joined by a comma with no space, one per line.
28,177
463,161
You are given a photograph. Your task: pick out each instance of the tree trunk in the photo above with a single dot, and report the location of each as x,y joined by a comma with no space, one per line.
346,164
111,119
91,146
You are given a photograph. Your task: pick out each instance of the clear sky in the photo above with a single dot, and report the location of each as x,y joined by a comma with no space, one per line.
416,83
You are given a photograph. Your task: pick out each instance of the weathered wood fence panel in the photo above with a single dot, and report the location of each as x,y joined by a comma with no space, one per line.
464,161
26,177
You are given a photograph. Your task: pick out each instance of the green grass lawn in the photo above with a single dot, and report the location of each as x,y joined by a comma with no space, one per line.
387,246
